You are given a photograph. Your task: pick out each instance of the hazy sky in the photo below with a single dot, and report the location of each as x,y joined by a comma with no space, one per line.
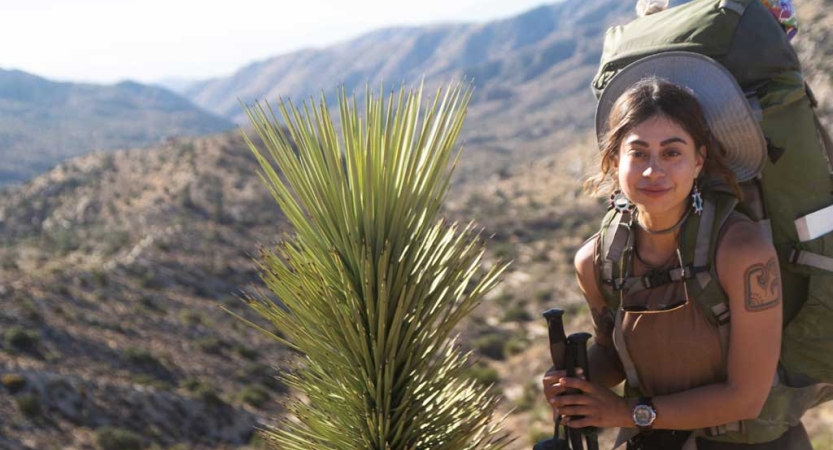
110,40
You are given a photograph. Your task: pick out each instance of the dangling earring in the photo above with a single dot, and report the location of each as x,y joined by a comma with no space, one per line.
696,199
620,203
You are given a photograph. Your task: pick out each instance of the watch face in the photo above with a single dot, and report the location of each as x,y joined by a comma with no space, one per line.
644,415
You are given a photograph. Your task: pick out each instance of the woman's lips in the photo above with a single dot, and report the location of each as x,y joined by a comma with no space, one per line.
654,192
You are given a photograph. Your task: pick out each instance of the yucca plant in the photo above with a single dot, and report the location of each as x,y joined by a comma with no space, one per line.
371,283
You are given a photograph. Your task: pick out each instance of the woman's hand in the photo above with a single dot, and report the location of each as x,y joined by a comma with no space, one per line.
600,406
552,385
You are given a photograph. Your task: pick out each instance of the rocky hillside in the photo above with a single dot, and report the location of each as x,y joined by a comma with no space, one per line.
43,122
115,269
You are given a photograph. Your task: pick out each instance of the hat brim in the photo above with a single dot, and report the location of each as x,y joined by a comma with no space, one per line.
725,106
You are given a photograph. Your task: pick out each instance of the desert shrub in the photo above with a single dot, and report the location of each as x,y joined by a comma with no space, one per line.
150,380
140,356
515,345
208,394
189,317
30,310
530,396
148,280
113,241
543,295
202,390
504,299
255,395
9,261
29,404
504,250
64,241
148,363
246,352
147,302
541,256
181,446
517,313
491,346
13,382
99,278
210,344
485,376
112,438
262,374
191,383
19,338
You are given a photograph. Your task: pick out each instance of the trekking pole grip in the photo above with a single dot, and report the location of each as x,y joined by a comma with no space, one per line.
558,348
558,340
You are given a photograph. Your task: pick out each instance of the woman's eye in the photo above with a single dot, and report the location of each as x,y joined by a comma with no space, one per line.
637,153
672,152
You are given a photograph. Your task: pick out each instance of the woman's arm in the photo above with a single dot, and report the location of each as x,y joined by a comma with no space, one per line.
748,270
605,367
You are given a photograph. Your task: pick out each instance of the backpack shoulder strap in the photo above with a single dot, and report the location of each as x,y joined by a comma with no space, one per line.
614,239
700,239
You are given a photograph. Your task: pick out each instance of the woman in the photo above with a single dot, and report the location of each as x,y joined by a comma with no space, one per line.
658,152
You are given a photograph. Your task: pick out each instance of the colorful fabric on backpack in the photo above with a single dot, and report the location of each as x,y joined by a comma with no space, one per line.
784,12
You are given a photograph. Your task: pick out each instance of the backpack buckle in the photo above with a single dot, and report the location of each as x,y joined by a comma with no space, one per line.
655,279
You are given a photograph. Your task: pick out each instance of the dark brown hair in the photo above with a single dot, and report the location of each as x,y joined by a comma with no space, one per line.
646,99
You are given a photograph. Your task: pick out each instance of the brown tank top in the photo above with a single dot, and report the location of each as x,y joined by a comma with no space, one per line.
673,350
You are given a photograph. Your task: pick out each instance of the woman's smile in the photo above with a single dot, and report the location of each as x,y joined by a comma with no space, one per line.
654,191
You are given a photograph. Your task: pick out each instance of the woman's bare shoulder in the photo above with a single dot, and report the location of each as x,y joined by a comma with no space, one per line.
741,238
587,272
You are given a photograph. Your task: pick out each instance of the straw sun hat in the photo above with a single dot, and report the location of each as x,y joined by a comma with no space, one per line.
725,106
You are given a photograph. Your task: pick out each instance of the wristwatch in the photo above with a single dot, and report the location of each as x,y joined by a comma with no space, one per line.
644,414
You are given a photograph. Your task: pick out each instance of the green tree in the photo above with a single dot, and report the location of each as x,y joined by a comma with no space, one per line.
371,282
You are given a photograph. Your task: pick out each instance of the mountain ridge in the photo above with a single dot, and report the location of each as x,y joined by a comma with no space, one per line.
44,122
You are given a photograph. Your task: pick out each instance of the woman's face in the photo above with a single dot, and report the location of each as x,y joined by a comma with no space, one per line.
657,166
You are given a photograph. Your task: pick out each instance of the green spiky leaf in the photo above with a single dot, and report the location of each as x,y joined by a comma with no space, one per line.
372,282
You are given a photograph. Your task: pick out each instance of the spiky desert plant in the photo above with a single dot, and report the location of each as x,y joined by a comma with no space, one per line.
371,283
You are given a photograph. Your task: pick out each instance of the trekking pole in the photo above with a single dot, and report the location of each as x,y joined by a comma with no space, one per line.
577,358
571,364
558,348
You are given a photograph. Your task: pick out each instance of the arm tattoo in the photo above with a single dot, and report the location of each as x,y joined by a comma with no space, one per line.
763,286
603,323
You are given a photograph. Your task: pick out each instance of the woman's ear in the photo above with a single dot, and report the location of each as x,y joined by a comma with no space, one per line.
700,160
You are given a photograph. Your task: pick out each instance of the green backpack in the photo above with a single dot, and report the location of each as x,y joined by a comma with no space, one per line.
744,37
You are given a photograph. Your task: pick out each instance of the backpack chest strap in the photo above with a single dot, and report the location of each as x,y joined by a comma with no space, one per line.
656,279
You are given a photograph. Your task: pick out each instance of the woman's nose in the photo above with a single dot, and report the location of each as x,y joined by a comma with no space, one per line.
653,170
